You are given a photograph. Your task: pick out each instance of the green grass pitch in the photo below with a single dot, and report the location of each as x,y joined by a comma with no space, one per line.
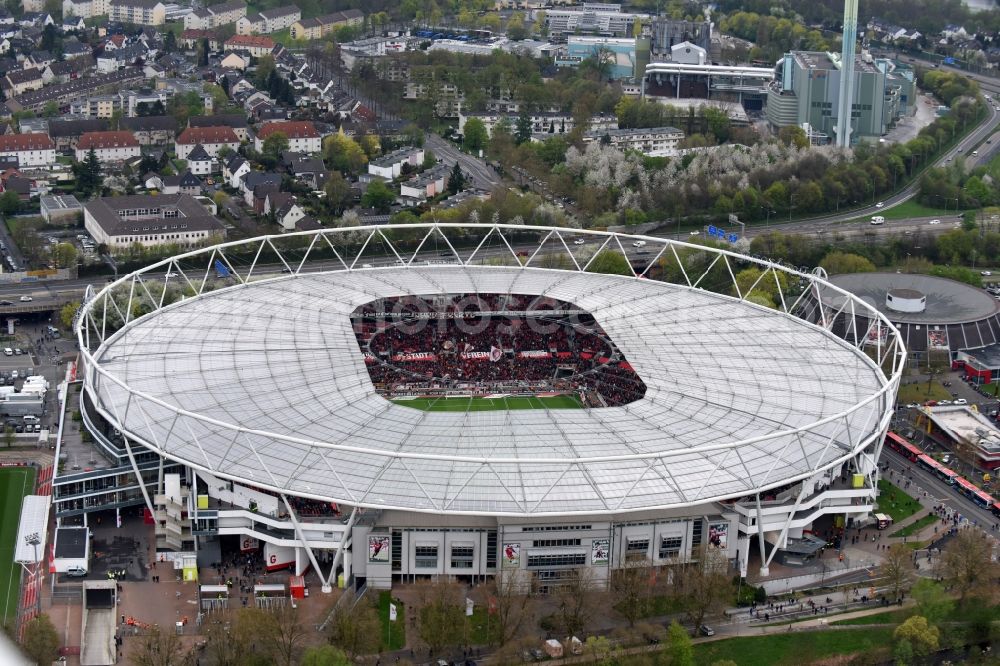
472,404
15,483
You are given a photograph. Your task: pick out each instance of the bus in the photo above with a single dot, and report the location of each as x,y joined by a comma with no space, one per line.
979,497
995,509
904,448
937,469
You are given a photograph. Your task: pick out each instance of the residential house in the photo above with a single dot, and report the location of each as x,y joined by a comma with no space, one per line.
287,212
653,141
84,8
234,60
14,181
234,169
74,48
427,184
67,70
259,194
71,23
138,12
192,39
38,19
255,45
306,169
215,16
111,61
39,59
64,93
390,165
28,149
20,81
321,26
268,21
256,179
32,6
119,222
101,106
241,86
199,161
109,147
235,121
66,132
302,135
152,130
185,183
212,139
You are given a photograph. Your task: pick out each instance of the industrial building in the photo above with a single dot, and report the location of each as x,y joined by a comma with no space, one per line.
806,91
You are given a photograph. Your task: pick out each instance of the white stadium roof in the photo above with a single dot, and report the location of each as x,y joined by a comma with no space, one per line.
265,382
34,522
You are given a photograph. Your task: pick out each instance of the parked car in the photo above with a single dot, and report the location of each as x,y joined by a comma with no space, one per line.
706,630
961,401
25,299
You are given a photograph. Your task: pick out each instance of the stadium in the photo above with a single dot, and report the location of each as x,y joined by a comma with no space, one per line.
386,403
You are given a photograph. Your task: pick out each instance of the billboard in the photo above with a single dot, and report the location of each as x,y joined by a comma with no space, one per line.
599,549
378,548
248,544
937,339
718,535
511,555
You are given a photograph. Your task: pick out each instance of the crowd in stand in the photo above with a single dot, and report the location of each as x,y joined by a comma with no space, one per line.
529,351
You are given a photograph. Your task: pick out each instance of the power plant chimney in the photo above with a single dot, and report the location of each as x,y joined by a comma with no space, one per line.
846,104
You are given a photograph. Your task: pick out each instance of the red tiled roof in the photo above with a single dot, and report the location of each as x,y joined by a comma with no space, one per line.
292,129
18,142
247,41
203,135
99,140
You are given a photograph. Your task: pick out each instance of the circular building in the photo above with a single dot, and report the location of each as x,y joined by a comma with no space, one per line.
931,313
395,416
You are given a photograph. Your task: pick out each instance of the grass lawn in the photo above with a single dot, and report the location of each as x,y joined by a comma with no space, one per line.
912,208
794,648
393,637
992,389
919,392
895,502
483,630
470,404
915,526
889,617
15,483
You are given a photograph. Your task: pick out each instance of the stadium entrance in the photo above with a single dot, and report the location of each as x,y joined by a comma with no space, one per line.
460,352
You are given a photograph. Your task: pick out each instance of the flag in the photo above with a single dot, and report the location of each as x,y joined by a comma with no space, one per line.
468,607
493,606
392,612
118,517
495,353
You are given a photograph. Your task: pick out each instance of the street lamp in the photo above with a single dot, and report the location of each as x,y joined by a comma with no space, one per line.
791,204
35,540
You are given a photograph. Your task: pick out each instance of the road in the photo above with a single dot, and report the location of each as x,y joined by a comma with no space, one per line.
483,176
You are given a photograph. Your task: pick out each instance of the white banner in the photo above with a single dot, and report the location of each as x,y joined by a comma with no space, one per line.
468,607
392,612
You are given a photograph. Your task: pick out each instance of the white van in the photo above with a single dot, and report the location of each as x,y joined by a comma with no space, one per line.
28,418
7,351
878,219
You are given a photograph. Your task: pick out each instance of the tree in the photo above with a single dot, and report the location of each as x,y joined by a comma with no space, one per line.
703,584
275,144
170,42
284,634
837,262
324,655
631,589
966,564
474,135
88,173
67,313
378,196
10,203
679,645
8,436
576,601
924,638
203,50
41,641
265,73
456,181
610,262
356,628
442,614
64,255
896,569
338,192
158,648
51,109
343,153
932,600
508,604
371,144
522,130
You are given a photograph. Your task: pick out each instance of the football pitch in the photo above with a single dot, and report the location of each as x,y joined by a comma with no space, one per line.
15,483
473,404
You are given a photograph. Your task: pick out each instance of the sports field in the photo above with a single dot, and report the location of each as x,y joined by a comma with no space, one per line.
15,483
471,404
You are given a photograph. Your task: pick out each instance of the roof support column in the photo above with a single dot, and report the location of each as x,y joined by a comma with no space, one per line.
328,583
764,571
302,538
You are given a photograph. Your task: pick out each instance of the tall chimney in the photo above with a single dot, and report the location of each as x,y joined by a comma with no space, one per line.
846,103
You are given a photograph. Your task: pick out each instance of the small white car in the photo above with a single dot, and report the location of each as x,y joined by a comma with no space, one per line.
944,403
579,241
171,274
961,401
25,299
934,222
639,244
980,272
880,204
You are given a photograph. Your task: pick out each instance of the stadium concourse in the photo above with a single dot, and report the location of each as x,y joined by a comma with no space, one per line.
345,400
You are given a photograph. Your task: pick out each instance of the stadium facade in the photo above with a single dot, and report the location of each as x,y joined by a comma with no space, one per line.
753,422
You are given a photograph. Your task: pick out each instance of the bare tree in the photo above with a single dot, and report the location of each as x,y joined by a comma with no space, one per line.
702,585
966,564
576,600
286,634
159,648
508,604
356,628
897,570
631,587
442,614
